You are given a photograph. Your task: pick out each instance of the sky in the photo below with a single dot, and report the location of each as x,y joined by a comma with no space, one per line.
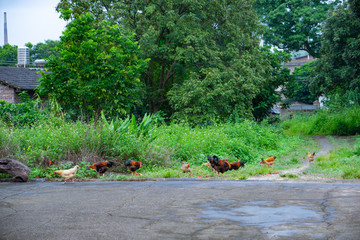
30,21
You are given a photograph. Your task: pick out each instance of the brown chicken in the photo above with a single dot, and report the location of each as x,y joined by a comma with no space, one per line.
237,165
48,163
311,157
133,165
268,161
101,167
67,174
220,166
185,167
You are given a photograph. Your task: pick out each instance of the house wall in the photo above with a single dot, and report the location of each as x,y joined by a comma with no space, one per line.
8,94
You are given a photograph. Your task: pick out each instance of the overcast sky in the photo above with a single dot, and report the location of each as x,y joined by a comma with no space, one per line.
30,21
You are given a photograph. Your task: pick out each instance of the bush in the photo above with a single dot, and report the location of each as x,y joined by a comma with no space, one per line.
325,122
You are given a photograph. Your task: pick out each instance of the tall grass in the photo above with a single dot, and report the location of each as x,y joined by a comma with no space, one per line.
325,122
162,146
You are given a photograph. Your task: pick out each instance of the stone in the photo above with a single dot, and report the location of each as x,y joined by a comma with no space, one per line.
18,170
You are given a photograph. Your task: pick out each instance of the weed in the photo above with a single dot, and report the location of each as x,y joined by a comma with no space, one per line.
289,175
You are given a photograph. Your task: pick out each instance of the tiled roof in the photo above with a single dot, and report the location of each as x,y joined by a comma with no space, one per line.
20,78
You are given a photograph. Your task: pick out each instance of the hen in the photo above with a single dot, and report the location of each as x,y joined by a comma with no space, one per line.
101,167
311,156
208,164
67,174
220,166
268,161
133,165
185,167
237,165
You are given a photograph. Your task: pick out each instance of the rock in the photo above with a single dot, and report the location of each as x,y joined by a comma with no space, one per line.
18,170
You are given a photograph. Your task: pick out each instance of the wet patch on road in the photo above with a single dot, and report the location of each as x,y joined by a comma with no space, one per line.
269,217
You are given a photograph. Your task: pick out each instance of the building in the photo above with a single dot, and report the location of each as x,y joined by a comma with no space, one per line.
16,80
296,62
295,106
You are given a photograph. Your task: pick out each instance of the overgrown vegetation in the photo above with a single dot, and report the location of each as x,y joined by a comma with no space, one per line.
160,147
344,121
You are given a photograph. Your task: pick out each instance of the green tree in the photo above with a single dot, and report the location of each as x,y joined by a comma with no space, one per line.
276,76
195,47
44,50
97,69
338,69
297,88
8,55
294,25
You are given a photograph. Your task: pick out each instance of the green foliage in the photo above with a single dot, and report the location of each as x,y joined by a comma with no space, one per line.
338,68
339,100
325,122
294,25
97,69
277,76
143,129
42,50
160,148
247,141
205,58
22,114
297,88
8,55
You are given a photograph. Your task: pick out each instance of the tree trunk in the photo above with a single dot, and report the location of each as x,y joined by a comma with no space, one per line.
18,170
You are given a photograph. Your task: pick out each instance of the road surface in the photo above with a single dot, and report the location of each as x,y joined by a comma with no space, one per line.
182,209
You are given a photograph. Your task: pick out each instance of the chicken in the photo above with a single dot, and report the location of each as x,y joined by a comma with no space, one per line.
133,165
101,167
311,157
237,165
67,174
48,163
185,167
220,166
268,161
207,164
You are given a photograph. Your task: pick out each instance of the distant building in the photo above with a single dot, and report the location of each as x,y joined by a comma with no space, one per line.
296,62
296,106
16,80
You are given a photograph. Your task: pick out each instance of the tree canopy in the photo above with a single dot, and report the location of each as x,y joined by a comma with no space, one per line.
204,56
338,69
294,25
8,55
97,69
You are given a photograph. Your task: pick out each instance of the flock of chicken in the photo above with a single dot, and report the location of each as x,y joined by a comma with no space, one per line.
100,167
214,163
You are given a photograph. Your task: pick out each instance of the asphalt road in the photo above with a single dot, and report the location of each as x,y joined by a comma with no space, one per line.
180,210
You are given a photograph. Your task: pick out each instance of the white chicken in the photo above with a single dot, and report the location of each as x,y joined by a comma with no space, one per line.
67,174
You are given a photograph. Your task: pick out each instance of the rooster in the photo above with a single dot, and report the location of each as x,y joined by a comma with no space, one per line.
101,167
268,161
67,174
311,157
220,166
185,167
133,165
237,165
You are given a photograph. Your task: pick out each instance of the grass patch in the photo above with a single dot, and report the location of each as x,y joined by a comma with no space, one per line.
325,122
341,162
